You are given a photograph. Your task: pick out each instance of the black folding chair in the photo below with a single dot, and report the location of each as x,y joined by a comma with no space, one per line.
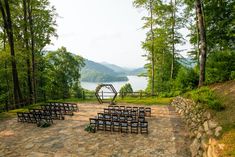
134,127
144,127
108,125
148,111
124,126
116,126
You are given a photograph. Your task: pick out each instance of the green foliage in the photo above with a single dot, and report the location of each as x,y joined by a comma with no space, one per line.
219,22
232,76
62,74
125,89
146,101
95,76
26,35
160,42
43,124
206,97
89,128
170,94
95,72
220,66
186,79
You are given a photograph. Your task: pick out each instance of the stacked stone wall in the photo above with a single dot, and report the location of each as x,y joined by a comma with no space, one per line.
202,127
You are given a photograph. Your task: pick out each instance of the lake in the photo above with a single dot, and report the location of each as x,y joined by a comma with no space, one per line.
137,83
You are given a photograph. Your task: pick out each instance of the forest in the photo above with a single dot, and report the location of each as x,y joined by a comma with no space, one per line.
29,74
211,26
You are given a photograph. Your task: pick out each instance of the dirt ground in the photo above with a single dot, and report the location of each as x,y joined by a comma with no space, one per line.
66,138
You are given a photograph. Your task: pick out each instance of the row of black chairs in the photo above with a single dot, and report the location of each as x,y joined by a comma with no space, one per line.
120,117
119,126
34,117
126,112
57,110
48,112
113,109
65,106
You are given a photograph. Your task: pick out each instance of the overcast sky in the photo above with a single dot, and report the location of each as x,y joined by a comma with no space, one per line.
101,30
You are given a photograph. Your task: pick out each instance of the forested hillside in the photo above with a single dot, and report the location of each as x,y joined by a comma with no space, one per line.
211,33
126,71
95,72
106,72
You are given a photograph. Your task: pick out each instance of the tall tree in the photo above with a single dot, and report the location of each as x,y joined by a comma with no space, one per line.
6,16
173,6
29,9
63,72
26,43
202,33
152,46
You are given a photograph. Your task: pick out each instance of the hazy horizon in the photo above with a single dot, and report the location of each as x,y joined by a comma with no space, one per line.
101,31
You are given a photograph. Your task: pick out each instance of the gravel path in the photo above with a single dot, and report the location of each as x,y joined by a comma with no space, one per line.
66,138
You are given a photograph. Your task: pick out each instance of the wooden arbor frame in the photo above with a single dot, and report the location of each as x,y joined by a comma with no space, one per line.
108,86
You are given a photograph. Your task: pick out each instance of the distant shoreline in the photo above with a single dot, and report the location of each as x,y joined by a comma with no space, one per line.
137,83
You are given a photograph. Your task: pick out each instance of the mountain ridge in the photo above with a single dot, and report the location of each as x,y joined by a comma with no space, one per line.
106,72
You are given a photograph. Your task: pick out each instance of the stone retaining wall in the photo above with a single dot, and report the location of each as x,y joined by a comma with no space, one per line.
203,128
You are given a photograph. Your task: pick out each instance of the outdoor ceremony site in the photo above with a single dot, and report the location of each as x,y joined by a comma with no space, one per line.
117,78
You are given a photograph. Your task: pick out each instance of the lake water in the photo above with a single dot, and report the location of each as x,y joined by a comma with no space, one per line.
137,83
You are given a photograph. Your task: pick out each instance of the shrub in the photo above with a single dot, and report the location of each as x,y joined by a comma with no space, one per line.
232,76
89,128
207,97
43,124
220,66
186,79
126,89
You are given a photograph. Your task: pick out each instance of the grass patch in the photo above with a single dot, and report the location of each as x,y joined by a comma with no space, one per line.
229,141
12,113
6,115
74,100
146,101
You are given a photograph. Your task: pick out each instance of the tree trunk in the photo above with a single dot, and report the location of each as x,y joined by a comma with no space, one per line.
198,43
26,42
173,37
6,74
202,33
152,48
8,26
32,49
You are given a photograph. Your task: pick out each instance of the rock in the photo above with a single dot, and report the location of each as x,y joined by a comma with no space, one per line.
200,129
194,147
36,154
212,124
209,133
221,146
204,154
207,115
204,144
218,131
200,152
205,125
29,146
173,139
199,135
211,149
